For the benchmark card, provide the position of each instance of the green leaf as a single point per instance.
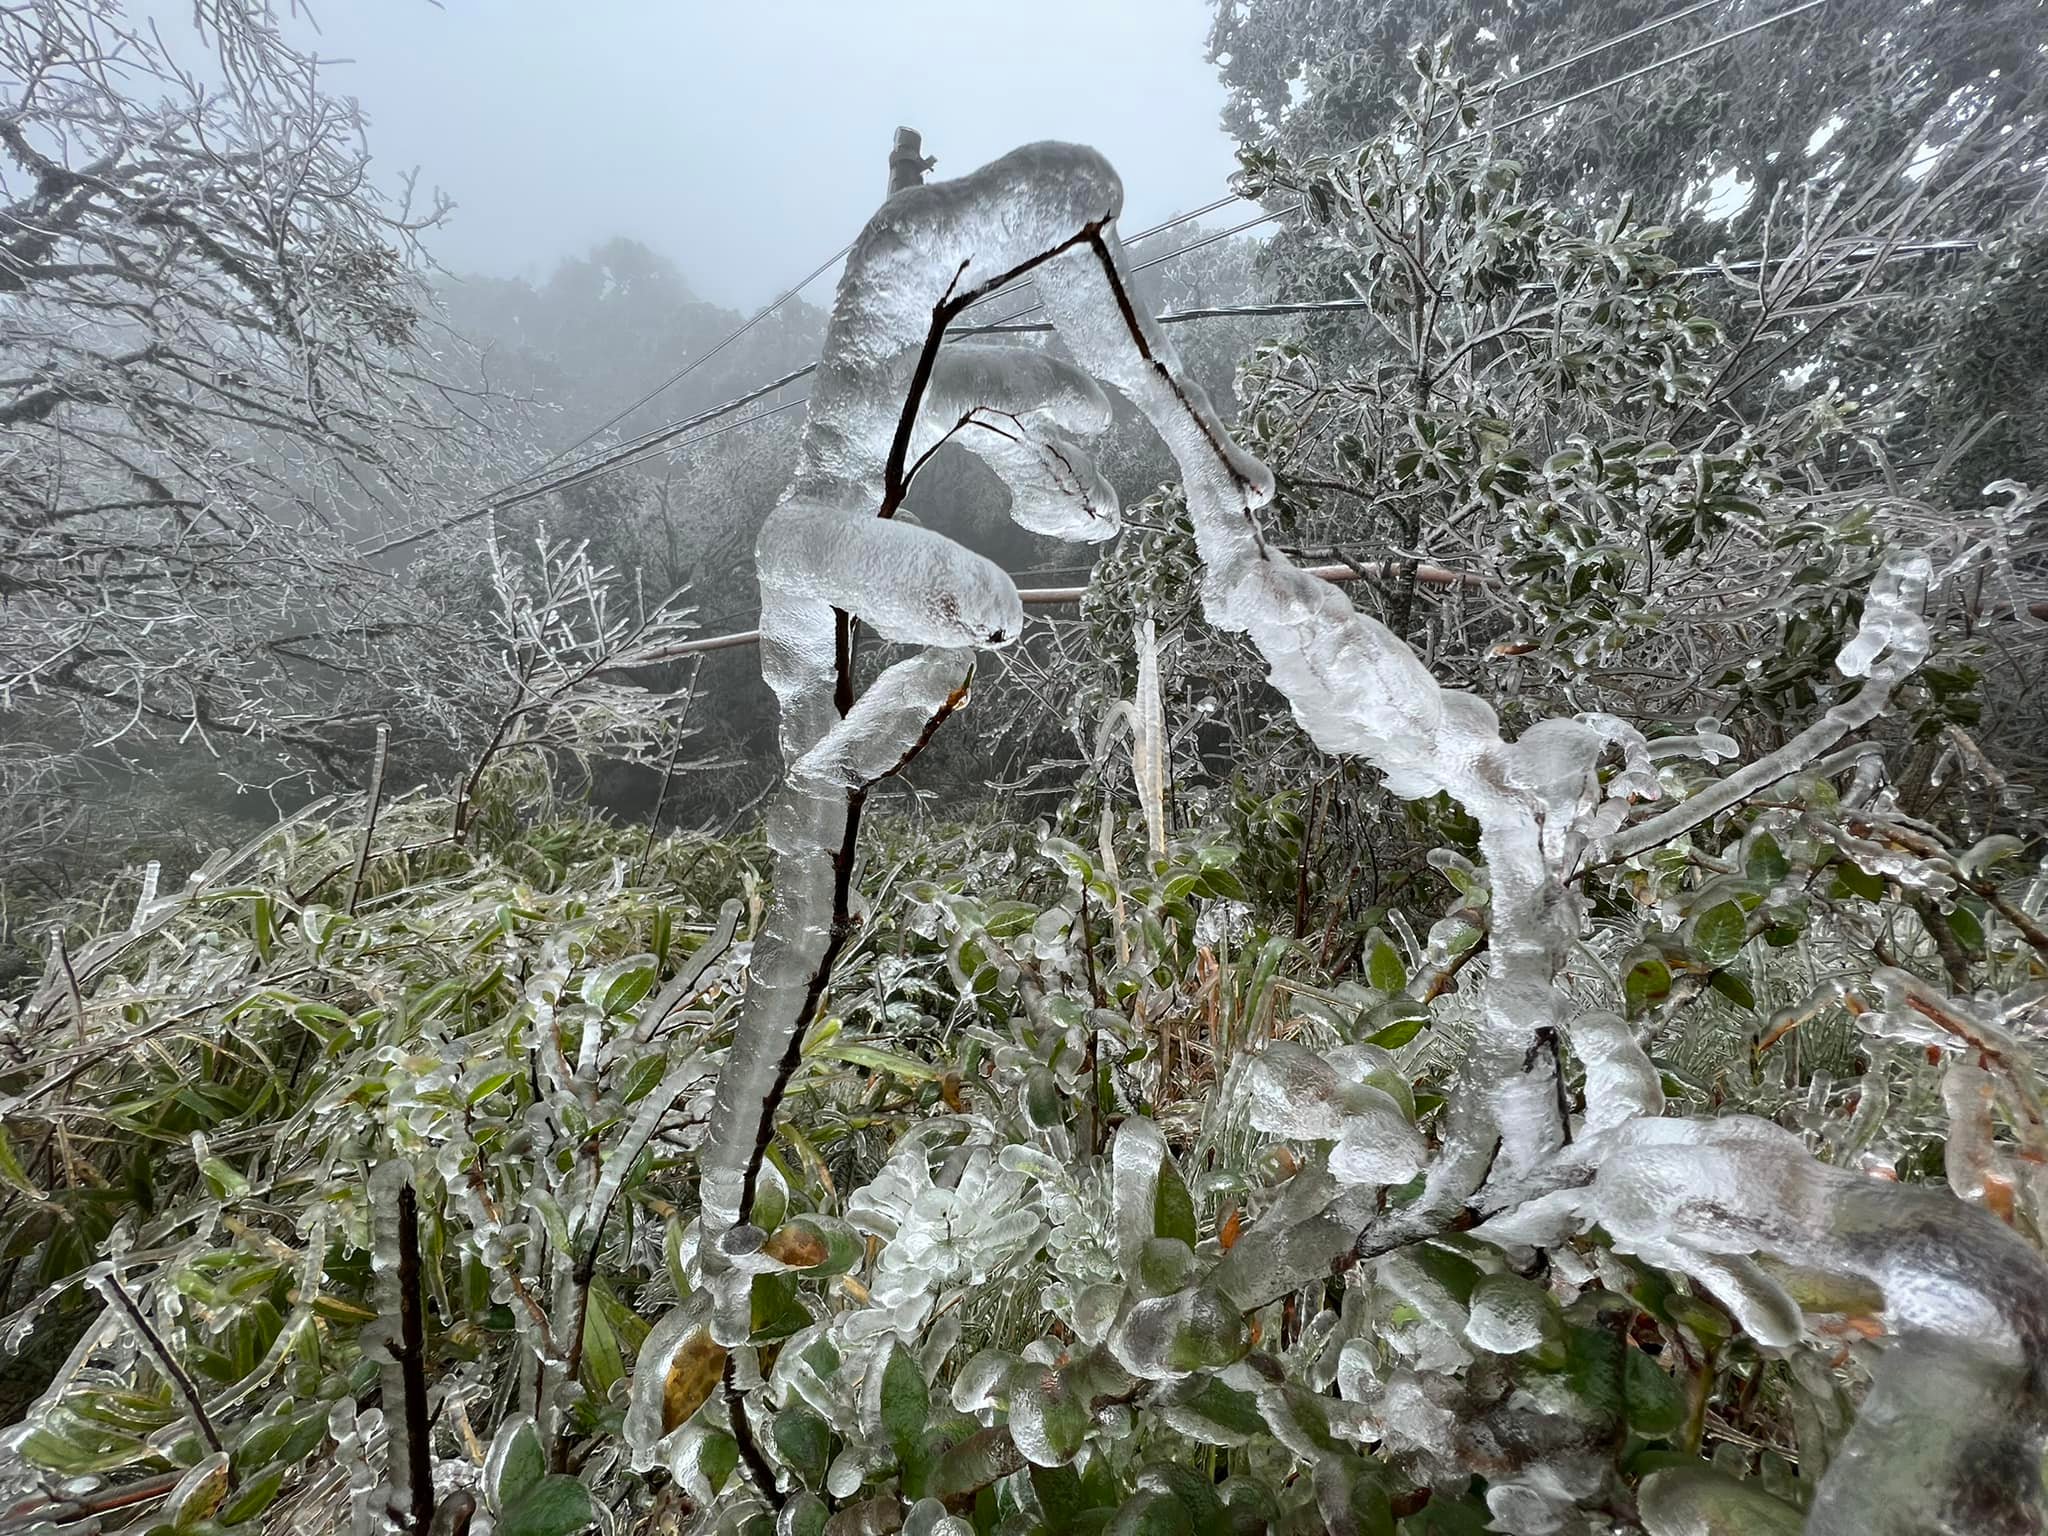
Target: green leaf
(198, 1493)
(555, 1506)
(1655, 1402)
(804, 1440)
(778, 1310)
(612, 1334)
(254, 1496)
(12, 1173)
(1703, 1499)
(904, 1404)
(1396, 1022)
(1966, 922)
(1396, 1034)
(1212, 1412)
(516, 1463)
(618, 987)
(1720, 932)
(1151, 1513)
(1854, 880)
(1384, 967)
(1734, 986)
(1766, 861)
(1060, 1496)
(1007, 919)
(1173, 1209)
(717, 1459)
(224, 1181)
(876, 1059)
(1647, 982)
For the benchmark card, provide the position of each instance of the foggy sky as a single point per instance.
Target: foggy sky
(748, 139)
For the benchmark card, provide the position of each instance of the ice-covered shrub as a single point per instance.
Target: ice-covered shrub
(1048, 1181)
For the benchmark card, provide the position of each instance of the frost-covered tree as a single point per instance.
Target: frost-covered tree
(220, 370)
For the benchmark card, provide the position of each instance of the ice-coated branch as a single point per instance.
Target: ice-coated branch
(833, 556)
(1356, 688)
(1888, 646)
(401, 1299)
(1966, 1299)
(1951, 1434)
(1739, 1206)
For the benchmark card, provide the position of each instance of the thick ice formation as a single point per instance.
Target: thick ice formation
(886, 395)
(1508, 1315)
(1297, 1092)
(1740, 1206)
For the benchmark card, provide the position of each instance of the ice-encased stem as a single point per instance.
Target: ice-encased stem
(401, 1300)
(1358, 689)
(1950, 1436)
(831, 555)
(1891, 613)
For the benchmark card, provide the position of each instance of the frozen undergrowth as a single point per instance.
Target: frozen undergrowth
(1729, 1204)
(1048, 1186)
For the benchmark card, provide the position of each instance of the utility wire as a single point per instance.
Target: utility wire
(1014, 324)
(1577, 96)
(1655, 64)
(687, 369)
(523, 490)
(650, 443)
(1516, 82)
(1502, 88)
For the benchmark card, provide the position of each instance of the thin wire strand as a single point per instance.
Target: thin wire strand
(522, 491)
(1516, 82)
(687, 369)
(1253, 311)
(1014, 324)
(1655, 64)
(1555, 106)
(1501, 88)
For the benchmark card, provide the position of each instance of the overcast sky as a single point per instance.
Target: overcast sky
(748, 139)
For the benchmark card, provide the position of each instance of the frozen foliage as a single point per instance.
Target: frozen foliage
(939, 1236)
(1541, 809)
(1508, 1315)
(1296, 1092)
(1100, 1196)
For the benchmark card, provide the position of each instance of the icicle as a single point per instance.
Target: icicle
(1148, 740)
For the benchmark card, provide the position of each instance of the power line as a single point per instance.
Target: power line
(1427, 575)
(523, 490)
(1502, 88)
(688, 368)
(648, 443)
(1656, 25)
(1866, 251)
(1593, 90)
(520, 492)
(1655, 64)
